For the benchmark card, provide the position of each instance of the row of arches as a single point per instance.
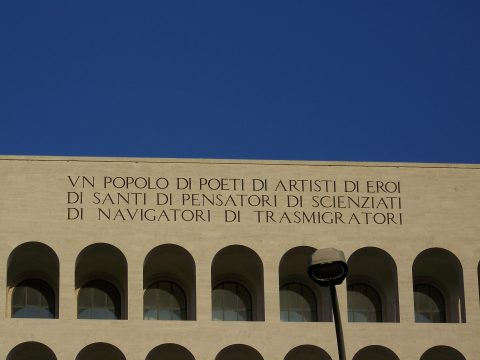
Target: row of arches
(169, 283)
(104, 351)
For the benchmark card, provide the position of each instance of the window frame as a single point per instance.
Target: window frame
(52, 308)
(118, 312)
(443, 298)
(314, 311)
(251, 314)
(183, 292)
(379, 311)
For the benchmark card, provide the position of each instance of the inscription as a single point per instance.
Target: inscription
(165, 199)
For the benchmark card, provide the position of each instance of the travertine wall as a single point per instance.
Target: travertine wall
(415, 207)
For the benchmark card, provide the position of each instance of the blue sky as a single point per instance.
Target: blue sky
(310, 80)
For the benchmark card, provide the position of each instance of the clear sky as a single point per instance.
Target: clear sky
(314, 80)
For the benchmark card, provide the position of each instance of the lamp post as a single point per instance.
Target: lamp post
(328, 268)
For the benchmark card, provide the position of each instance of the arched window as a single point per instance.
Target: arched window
(231, 302)
(307, 352)
(429, 304)
(33, 298)
(239, 352)
(31, 350)
(441, 268)
(374, 266)
(100, 351)
(101, 280)
(170, 352)
(164, 300)
(33, 281)
(297, 303)
(301, 299)
(375, 352)
(98, 299)
(364, 304)
(442, 352)
(166, 267)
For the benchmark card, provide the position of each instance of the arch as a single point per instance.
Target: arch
(30, 263)
(239, 352)
(174, 264)
(169, 352)
(105, 263)
(375, 352)
(100, 351)
(31, 350)
(442, 270)
(375, 268)
(307, 352)
(442, 352)
(242, 265)
(293, 269)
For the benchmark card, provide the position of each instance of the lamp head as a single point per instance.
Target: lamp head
(328, 267)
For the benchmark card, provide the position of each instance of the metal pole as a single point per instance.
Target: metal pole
(338, 323)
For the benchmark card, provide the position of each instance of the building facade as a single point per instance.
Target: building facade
(166, 259)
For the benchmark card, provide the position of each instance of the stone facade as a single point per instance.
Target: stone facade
(201, 223)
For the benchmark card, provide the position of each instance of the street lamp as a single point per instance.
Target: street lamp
(328, 268)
